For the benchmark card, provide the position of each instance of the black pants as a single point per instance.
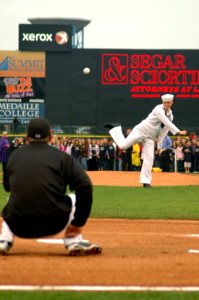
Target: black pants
(165, 161)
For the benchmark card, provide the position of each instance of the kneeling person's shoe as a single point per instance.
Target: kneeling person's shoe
(5, 246)
(82, 248)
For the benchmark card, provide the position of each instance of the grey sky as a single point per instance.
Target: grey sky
(149, 24)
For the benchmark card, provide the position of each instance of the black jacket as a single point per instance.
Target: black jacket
(37, 176)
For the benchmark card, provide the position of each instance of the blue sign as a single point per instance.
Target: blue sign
(24, 112)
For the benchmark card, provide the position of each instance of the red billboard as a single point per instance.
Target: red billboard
(151, 74)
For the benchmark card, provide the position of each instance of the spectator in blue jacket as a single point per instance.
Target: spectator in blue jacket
(165, 154)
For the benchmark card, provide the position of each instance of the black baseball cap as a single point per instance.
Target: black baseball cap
(38, 128)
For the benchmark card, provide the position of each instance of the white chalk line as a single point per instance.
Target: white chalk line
(60, 241)
(51, 241)
(192, 235)
(193, 251)
(99, 288)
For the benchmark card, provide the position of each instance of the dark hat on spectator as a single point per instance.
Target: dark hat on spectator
(38, 128)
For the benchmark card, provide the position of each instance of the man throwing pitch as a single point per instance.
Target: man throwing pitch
(156, 125)
(37, 176)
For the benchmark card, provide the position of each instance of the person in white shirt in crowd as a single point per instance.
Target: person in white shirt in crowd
(93, 155)
(180, 157)
(156, 125)
(69, 146)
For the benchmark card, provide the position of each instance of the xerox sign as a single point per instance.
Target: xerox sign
(45, 37)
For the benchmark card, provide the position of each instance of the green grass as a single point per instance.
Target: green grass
(98, 296)
(3, 197)
(181, 202)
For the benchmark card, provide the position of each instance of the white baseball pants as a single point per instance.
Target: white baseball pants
(7, 234)
(147, 151)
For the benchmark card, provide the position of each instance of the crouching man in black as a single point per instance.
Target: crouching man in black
(37, 176)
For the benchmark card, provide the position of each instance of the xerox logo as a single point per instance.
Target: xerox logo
(41, 37)
(45, 38)
(61, 37)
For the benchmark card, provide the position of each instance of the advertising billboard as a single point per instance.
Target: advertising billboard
(153, 73)
(45, 37)
(16, 63)
(24, 112)
(22, 86)
(21, 98)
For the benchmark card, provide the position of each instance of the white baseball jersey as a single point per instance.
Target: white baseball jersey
(157, 124)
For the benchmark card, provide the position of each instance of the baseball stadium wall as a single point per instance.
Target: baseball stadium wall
(122, 85)
(89, 87)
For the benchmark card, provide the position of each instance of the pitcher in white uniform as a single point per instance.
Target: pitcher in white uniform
(156, 125)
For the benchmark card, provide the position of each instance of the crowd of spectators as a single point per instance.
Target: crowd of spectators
(177, 154)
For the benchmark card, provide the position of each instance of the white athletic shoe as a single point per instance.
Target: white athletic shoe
(5, 246)
(82, 248)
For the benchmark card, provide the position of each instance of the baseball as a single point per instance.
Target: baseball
(86, 71)
(61, 37)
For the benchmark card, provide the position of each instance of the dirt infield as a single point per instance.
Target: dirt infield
(132, 178)
(135, 252)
